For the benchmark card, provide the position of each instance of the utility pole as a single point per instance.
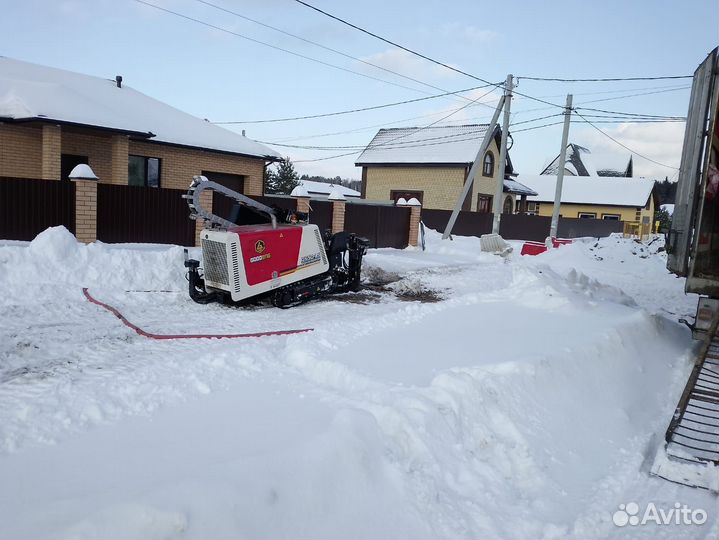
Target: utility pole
(497, 207)
(478, 160)
(560, 170)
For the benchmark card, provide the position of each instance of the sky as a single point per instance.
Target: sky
(210, 71)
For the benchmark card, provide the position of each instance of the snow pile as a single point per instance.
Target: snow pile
(525, 403)
(55, 259)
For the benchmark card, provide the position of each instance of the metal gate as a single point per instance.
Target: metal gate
(29, 206)
(143, 214)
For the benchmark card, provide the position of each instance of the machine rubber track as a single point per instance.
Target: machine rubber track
(691, 453)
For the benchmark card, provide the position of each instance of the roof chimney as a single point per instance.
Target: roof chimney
(118, 80)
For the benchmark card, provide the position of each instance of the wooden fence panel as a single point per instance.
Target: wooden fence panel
(143, 214)
(29, 206)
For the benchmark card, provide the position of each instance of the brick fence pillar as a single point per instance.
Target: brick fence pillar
(338, 216)
(51, 149)
(86, 210)
(118, 159)
(206, 202)
(414, 215)
(303, 204)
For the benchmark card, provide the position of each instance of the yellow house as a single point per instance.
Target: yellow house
(431, 165)
(594, 197)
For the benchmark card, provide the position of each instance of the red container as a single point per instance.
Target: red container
(533, 248)
(556, 242)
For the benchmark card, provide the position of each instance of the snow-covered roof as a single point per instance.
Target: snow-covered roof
(320, 188)
(34, 92)
(599, 190)
(512, 186)
(437, 144)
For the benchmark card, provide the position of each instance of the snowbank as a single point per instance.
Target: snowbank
(525, 403)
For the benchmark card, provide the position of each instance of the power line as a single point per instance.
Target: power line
(640, 94)
(406, 134)
(618, 113)
(265, 25)
(606, 79)
(275, 47)
(456, 137)
(349, 111)
(624, 145)
(420, 55)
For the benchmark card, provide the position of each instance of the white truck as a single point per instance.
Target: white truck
(690, 454)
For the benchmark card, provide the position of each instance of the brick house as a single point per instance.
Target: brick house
(431, 164)
(51, 120)
(631, 200)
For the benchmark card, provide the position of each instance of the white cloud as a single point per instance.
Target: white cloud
(661, 142)
(409, 65)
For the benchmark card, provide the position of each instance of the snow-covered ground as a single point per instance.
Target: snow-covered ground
(474, 397)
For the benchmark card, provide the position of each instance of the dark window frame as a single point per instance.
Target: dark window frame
(586, 215)
(612, 217)
(488, 164)
(484, 204)
(146, 170)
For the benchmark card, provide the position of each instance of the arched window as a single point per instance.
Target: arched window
(507, 207)
(488, 164)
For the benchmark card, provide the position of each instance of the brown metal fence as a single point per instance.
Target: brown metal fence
(321, 213)
(524, 227)
(143, 214)
(577, 227)
(467, 224)
(383, 226)
(519, 226)
(29, 206)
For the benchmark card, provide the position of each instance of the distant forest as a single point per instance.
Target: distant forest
(666, 191)
(346, 182)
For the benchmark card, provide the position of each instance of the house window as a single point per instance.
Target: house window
(612, 217)
(532, 208)
(143, 171)
(488, 164)
(396, 195)
(484, 203)
(587, 215)
(68, 163)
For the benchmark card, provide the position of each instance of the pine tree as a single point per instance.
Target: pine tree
(283, 180)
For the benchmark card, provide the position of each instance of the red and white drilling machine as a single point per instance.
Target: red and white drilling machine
(267, 253)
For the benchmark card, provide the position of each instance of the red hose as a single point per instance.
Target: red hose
(143, 333)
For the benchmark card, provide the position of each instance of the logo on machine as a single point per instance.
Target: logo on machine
(309, 259)
(258, 258)
(260, 246)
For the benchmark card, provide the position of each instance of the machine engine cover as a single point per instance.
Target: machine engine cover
(250, 260)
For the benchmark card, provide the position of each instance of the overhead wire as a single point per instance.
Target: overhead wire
(624, 145)
(349, 111)
(418, 54)
(605, 79)
(325, 47)
(275, 47)
(406, 134)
